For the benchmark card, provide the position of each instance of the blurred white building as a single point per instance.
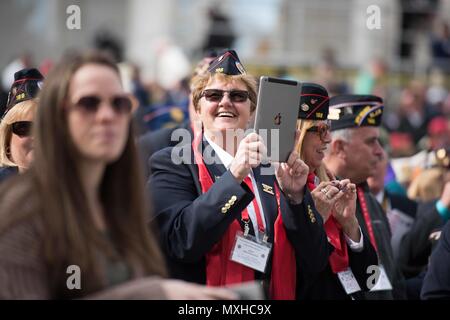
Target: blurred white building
(273, 32)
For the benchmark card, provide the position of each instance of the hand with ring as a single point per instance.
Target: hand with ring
(345, 209)
(325, 196)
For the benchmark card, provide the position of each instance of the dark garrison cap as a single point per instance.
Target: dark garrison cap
(27, 84)
(228, 63)
(353, 110)
(314, 102)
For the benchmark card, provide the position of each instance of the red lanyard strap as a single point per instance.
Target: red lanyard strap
(365, 211)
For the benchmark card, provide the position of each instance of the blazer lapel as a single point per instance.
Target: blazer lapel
(266, 190)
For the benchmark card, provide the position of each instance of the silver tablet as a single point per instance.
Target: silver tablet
(276, 115)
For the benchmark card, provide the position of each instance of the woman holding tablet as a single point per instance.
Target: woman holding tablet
(222, 220)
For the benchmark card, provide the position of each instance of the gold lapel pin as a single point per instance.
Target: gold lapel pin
(268, 189)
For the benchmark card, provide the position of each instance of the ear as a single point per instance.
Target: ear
(338, 148)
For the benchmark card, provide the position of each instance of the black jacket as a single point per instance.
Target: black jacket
(415, 246)
(154, 141)
(437, 280)
(191, 222)
(328, 286)
(382, 234)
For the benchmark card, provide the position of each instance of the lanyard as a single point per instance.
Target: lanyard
(259, 218)
(365, 211)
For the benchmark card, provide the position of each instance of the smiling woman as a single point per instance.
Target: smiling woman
(213, 202)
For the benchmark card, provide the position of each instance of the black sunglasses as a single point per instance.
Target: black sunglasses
(216, 95)
(322, 129)
(22, 128)
(90, 104)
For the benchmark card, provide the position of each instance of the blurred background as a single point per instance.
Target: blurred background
(405, 59)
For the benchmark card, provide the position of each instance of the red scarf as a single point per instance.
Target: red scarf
(222, 271)
(339, 257)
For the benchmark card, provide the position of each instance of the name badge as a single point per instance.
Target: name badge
(383, 282)
(348, 281)
(251, 253)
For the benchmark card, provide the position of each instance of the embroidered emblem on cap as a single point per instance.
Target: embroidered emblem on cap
(305, 107)
(334, 114)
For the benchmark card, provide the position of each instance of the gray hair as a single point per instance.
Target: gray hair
(341, 134)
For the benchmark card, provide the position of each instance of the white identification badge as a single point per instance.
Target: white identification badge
(348, 281)
(250, 253)
(383, 282)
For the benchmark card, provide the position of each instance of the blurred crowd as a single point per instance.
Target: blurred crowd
(50, 152)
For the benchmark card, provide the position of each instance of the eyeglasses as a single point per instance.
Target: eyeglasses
(216, 95)
(322, 129)
(22, 128)
(121, 104)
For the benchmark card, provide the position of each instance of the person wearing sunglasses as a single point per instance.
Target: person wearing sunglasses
(224, 218)
(16, 142)
(351, 251)
(75, 224)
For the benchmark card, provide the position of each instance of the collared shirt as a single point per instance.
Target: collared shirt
(355, 246)
(226, 160)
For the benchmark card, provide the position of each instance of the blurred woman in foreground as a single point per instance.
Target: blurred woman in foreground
(74, 225)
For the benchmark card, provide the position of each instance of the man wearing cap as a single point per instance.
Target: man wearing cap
(351, 251)
(354, 154)
(222, 221)
(16, 144)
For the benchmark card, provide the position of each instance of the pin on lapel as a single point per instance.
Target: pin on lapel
(267, 188)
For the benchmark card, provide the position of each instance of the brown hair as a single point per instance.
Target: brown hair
(199, 82)
(70, 234)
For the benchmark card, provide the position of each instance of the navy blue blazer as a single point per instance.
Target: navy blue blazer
(436, 284)
(191, 223)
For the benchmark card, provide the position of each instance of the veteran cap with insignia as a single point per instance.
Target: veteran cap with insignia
(314, 102)
(203, 65)
(353, 110)
(228, 63)
(27, 84)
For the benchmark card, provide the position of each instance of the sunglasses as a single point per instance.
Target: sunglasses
(216, 95)
(22, 128)
(121, 104)
(321, 129)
